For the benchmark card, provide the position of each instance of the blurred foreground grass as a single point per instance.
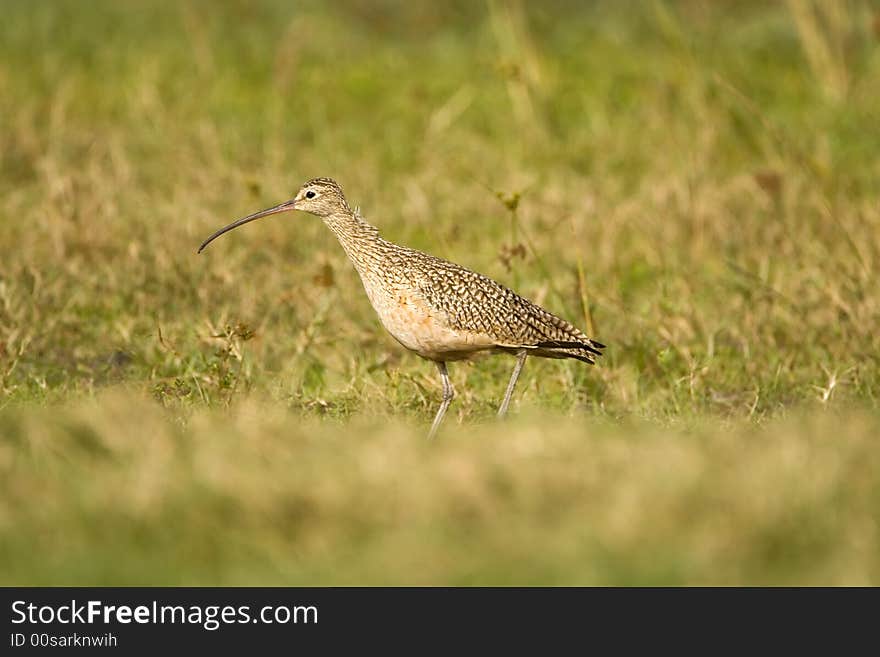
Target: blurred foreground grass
(257, 496)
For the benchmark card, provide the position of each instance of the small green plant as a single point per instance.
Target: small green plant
(214, 378)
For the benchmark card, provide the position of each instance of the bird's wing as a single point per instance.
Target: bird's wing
(473, 302)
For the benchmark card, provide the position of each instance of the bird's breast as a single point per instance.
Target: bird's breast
(420, 327)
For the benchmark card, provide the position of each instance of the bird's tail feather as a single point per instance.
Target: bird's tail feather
(583, 350)
(588, 345)
(546, 335)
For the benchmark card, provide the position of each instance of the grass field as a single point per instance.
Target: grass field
(696, 184)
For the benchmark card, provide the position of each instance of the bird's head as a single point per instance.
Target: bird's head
(319, 196)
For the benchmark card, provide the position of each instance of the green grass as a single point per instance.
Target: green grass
(697, 186)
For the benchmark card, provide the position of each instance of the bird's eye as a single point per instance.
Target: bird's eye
(310, 194)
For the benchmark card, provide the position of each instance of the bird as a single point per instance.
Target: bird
(440, 310)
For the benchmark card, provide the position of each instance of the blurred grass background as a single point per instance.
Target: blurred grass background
(694, 183)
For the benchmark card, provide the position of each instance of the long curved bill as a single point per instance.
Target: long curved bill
(284, 207)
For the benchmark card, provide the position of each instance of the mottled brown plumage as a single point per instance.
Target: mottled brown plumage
(434, 307)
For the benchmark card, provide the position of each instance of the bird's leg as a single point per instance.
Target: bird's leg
(520, 360)
(448, 395)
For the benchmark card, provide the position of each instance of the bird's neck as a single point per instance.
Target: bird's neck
(358, 237)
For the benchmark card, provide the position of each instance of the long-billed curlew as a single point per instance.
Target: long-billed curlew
(434, 307)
